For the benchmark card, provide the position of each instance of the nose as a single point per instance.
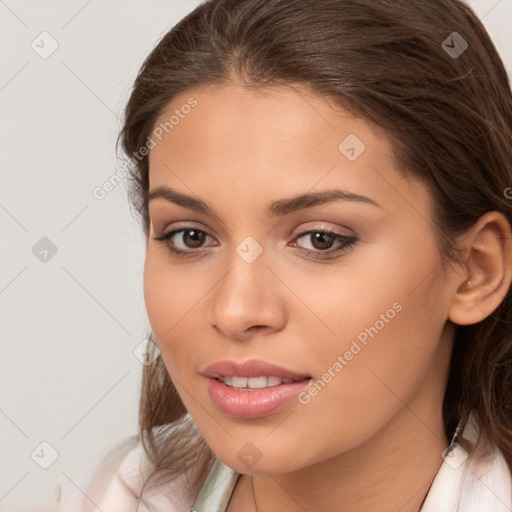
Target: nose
(247, 301)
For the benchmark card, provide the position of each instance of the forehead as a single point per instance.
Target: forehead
(271, 126)
(275, 141)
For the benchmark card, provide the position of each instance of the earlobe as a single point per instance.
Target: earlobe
(487, 270)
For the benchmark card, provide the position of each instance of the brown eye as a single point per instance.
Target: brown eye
(193, 238)
(321, 240)
(185, 245)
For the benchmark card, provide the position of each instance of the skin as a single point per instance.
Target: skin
(372, 439)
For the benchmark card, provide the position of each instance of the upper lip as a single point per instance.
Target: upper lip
(250, 368)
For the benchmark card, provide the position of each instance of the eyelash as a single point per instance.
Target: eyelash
(346, 243)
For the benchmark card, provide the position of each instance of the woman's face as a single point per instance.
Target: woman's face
(362, 314)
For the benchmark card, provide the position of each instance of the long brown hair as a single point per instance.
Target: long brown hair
(393, 62)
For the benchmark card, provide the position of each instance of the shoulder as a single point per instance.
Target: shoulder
(114, 485)
(118, 484)
(474, 477)
(487, 480)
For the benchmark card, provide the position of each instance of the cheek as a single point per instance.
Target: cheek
(348, 296)
(171, 295)
(370, 373)
(388, 310)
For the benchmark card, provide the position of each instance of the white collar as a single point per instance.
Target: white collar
(474, 477)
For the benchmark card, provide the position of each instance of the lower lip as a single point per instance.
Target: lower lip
(253, 403)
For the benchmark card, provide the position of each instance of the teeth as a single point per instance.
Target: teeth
(257, 382)
(239, 382)
(254, 382)
(273, 381)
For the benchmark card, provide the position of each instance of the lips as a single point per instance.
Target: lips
(252, 389)
(250, 369)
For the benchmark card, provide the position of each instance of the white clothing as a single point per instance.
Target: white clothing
(478, 481)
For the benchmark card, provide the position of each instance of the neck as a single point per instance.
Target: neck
(392, 471)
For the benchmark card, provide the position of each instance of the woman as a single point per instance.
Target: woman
(325, 191)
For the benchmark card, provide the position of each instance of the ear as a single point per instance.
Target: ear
(487, 271)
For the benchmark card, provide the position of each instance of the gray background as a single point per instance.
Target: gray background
(72, 320)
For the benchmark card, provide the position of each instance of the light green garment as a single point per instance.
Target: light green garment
(216, 490)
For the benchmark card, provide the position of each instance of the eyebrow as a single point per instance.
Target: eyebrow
(280, 207)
